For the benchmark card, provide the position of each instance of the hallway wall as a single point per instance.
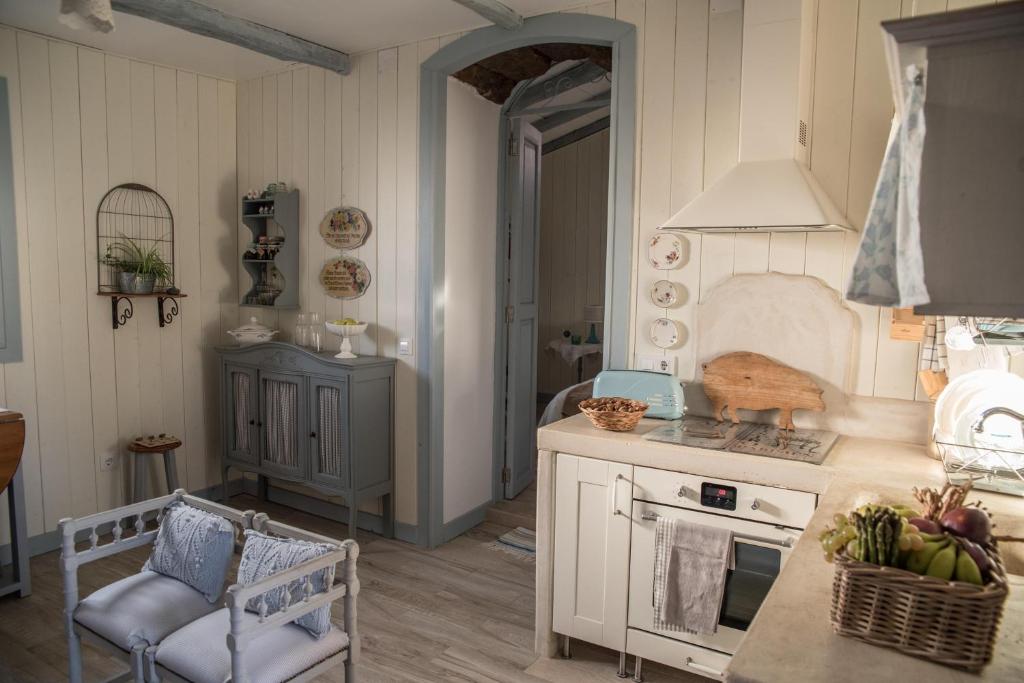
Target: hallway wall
(573, 237)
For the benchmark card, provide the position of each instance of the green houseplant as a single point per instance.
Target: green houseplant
(138, 267)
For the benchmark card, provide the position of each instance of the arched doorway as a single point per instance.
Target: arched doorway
(434, 73)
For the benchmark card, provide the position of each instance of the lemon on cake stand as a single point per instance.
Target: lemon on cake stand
(346, 329)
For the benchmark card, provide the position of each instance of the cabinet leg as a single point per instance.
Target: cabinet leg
(389, 516)
(622, 666)
(353, 515)
(224, 485)
(261, 488)
(566, 647)
(638, 675)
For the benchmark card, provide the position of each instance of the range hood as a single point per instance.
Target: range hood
(777, 195)
(770, 189)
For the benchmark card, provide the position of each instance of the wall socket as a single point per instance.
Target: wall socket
(107, 464)
(663, 364)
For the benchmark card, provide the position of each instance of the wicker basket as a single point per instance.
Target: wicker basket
(946, 622)
(612, 413)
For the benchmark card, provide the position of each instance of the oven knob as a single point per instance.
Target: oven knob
(755, 505)
(682, 492)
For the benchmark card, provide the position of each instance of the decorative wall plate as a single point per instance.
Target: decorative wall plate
(665, 294)
(665, 251)
(345, 277)
(666, 333)
(345, 227)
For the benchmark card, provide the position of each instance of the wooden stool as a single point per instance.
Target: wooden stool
(148, 445)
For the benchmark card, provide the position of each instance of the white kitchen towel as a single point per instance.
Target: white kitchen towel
(690, 566)
(889, 267)
(933, 347)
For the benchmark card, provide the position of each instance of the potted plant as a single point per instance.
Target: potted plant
(138, 267)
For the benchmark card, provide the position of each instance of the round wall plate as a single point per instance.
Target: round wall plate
(345, 227)
(345, 277)
(665, 251)
(666, 333)
(665, 294)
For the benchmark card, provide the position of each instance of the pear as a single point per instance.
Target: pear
(943, 564)
(967, 569)
(920, 559)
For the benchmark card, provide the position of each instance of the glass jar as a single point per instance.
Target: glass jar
(302, 330)
(316, 331)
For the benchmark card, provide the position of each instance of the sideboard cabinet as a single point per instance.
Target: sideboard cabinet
(312, 419)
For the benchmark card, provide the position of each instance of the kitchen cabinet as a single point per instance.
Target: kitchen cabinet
(311, 419)
(971, 164)
(593, 501)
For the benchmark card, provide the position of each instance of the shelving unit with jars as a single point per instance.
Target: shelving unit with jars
(272, 258)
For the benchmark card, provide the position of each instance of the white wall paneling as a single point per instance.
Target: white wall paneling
(83, 121)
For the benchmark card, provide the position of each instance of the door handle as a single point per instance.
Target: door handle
(700, 667)
(649, 516)
(615, 495)
(312, 435)
(252, 422)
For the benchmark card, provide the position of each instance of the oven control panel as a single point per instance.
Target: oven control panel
(717, 495)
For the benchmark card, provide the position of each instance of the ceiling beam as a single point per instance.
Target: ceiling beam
(585, 106)
(193, 17)
(581, 74)
(563, 117)
(495, 12)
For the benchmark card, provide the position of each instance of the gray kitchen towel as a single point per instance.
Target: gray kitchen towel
(690, 566)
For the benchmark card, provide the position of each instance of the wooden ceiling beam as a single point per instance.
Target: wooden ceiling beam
(495, 12)
(197, 18)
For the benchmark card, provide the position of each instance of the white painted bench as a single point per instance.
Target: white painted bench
(159, 638)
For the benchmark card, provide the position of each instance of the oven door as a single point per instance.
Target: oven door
(759, 552)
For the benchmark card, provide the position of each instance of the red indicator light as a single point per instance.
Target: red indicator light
(722, 492)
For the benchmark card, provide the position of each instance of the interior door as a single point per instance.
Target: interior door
(523, 202)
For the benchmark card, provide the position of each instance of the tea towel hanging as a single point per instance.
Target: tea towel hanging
(889, 267)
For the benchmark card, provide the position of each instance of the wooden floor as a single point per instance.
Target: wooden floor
(460, 612)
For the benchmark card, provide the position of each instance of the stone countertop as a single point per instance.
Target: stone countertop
(791, 638)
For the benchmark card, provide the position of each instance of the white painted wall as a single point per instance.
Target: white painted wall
(82, 122)
(471, 207)
(573, 237)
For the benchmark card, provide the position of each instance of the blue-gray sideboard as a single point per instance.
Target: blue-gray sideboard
(323, 422)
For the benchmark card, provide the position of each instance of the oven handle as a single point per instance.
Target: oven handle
(785, 543)
(700, 667)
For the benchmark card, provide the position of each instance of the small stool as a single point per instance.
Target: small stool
(147, 445)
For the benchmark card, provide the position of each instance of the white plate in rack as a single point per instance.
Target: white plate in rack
(665, 294)
(665, 251)
(666, 333)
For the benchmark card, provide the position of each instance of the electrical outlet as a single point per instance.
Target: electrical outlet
(405, 346)
(107, 464)
(662, 364)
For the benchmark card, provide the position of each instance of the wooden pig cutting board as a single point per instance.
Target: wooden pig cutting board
(755, 382)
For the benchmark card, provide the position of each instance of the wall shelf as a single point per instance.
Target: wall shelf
(120, 315)
(276, 286)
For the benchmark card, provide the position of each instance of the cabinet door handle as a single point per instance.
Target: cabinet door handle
(312, 435)
(703, 668)
(252, 422)
(615, 494)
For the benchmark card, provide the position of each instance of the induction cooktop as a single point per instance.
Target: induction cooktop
(802, 445)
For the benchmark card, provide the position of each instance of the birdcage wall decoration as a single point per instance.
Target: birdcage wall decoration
(135, 250)
(134, 236)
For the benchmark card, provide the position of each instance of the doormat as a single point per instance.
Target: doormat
(521, 542)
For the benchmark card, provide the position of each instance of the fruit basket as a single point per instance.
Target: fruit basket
(946, 622)
(614, 413)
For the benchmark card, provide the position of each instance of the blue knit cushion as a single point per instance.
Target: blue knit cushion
(195, 547)
(265, 555)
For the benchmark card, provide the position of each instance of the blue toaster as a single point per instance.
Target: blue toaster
(663, 393)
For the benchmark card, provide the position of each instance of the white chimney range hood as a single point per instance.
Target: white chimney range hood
(768, 190)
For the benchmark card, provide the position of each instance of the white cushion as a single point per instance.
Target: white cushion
(199, 652)
(142, 608)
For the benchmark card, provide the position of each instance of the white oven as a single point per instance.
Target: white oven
(766, 523)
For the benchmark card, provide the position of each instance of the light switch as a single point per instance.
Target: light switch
(405, 346)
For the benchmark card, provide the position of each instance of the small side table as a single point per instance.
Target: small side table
(143, 447)
(574, 353)
(12, 442)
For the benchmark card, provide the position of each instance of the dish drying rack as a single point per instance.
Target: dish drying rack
(988, 467)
